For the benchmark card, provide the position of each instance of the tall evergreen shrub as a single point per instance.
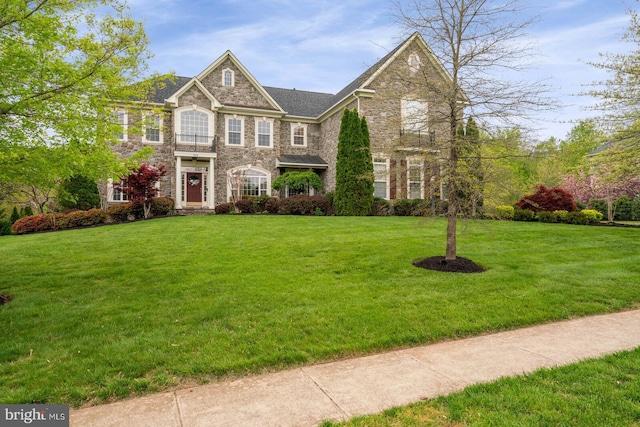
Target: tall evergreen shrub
(354, 168)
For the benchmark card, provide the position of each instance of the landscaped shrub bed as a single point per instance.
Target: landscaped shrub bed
(77, 218)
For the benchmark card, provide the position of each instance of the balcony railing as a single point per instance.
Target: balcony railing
(195, 143)
(417, 138)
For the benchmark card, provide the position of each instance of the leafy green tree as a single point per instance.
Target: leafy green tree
(579, 142)
(298, 182)
(79, 192)
(354, 168)
(63, 67)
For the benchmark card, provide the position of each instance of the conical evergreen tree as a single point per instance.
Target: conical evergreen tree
(354, 168)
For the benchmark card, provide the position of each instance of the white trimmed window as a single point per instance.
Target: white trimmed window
(194, 125)
(299, 135)
(381, 178)
(115, 191)
(415, 115)
(152, 129)
(415, 179)
(235, 131)
(122, 120)
(248, 182)
(264, 133)
(228, 77)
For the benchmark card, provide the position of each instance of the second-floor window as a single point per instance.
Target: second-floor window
(263, 133)
(415, 116)
(121, 119)
(234, 131)
(152, 131)
(299, 136)
(194, 126)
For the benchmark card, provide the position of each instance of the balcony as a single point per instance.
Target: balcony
(417, 139)
(194, 143)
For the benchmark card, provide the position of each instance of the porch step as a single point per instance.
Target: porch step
(194, 211)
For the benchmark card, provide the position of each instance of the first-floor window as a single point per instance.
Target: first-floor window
(119, 194)
(415, 179)
(380, 178)
(249, 183)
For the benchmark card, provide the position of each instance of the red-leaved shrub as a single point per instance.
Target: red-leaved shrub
(548, 199)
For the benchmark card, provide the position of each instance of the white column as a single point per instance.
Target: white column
(178, 183)
(212, 186)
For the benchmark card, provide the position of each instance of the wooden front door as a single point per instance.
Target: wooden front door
(194, 188)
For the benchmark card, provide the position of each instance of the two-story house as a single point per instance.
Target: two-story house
(223, 132)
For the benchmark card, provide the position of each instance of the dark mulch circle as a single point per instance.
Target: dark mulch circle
(5, 298)
(458, 265)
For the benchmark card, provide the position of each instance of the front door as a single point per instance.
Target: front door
(194, 189)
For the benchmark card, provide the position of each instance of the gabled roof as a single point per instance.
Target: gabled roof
(230, 56)
(300, 103)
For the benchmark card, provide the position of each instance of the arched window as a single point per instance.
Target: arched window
(228, 78)
(299, 135)
(194, 125)
(248, 182)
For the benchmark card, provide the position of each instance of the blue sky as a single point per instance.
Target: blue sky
(322, 45)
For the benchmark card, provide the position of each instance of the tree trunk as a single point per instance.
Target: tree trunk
(452, 211)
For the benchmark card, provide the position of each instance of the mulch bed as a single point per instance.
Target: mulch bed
(458, 265)
(5, 298)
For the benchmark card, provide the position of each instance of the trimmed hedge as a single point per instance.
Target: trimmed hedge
(505, 212)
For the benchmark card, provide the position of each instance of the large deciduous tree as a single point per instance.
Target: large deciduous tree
(479, 42)
(63, 66)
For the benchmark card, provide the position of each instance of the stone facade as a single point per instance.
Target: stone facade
(377, 94)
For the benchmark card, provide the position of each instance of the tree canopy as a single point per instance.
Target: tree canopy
(64, 65)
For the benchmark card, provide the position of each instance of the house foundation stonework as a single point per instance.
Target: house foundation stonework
(221, 133)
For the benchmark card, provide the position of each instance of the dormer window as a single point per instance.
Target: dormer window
(228, 78)
(414, 62)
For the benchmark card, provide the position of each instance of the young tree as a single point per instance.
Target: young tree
(63, 67)
(478, 42)
(141, 185)
(354, 168)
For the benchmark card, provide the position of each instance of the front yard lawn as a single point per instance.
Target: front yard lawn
(110, 312)
(598, 392)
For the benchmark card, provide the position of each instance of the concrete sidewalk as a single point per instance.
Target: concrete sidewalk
(343, 389)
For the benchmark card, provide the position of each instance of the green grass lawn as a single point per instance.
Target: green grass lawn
(109, 312)
(601, 392)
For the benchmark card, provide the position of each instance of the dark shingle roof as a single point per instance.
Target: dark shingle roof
(296, 102)
(302, 161)
(168, 88)
(301, 102)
